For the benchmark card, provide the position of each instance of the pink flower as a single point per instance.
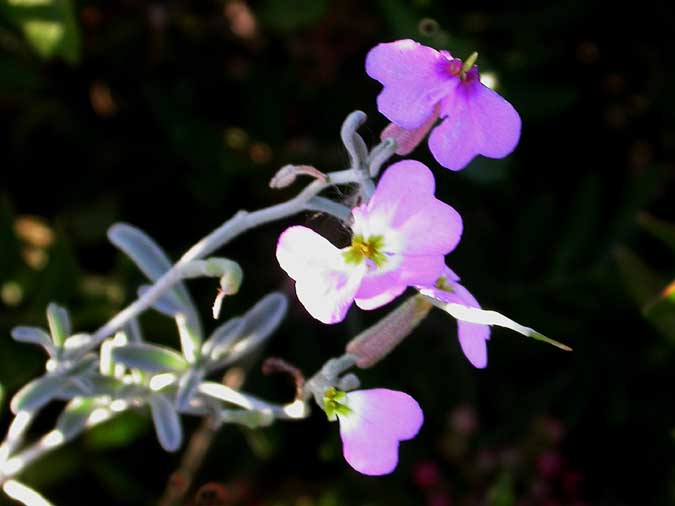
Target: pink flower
(372, 423)
(421, 85)
(400, 238)
(472, 336)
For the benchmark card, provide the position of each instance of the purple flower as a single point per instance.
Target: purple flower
(472, 336)
(399, 239)
(372, 423)
(422, 84)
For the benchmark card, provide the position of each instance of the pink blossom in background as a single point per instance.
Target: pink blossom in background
(400, 238)
(472, 336)
(421, 85)
(372, 423)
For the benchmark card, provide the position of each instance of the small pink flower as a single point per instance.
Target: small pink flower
(472, 336)
(421, 85)
(372, 423)
(400, 238)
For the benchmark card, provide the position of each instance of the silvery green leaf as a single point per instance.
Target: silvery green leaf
(108, 385)
(73, 389)
(169, 304)
(190, 339)
(34, 335)
(251, 419)
(37, 393)
(153, 262)
(146, 254)
(59, 324)
(76, 344)
(24, 494)
(187, 387)
(149, 357)
(223, 338)
(84, 366)
(84, 386)
(260, 321)
(167, 423)
(141, 248)
(73, 418)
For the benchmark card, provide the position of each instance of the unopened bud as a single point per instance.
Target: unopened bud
(376, 342)
(229, 272)
(287, 175)
(408, 140)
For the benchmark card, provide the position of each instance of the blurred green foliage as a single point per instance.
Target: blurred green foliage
(173, 115)
(49, 26)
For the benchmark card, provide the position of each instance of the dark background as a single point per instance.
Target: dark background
(173, 115)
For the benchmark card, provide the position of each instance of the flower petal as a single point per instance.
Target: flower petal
(473, 337)
(404, 202)
(478, 121)
(380, 418)
(379, 295)
(380, 288)
(413, 79)
(325, 284)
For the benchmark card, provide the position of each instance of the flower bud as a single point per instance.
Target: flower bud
(375, 343)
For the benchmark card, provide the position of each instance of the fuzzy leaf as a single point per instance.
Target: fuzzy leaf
(259, 322)
(223, 338)
(190, 339)
(59, 324)
(169, 304)
(187, 387)
(151, 260)
(38, 393)
(33, 335)
(74, 417)
(149, 357)
(167, 423)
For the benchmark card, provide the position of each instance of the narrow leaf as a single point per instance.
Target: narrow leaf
(24, 494)
(190, 339)
(149, 357)
(223, 338)
(151, 260)
(187, 387)
(33, 335)
(59, 324)
(169, 304)
(167, 423)
(84, 367)
(108, 385)
(38, 393)
(259, 322)
(73, 418)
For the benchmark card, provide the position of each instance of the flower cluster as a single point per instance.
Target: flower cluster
(401, 233)
(399, 239)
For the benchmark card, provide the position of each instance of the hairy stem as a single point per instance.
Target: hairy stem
(238, 224)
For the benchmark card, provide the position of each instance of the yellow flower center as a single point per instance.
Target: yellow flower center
(362, 249)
